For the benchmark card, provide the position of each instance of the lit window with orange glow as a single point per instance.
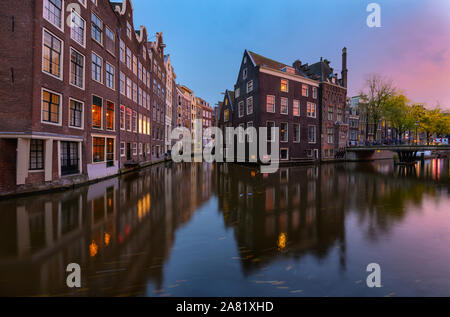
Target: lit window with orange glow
(284, 85)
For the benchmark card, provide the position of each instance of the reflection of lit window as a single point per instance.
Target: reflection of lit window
(107, 238)
(282, 241)
(93, 249)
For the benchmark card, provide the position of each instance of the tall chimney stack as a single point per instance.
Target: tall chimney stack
(344, 72)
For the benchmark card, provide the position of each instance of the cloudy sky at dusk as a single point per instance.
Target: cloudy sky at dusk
(206, 39)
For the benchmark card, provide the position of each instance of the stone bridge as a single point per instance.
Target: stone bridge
(406, 153)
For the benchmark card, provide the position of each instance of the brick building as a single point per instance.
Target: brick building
(294, 98)
(83, 99)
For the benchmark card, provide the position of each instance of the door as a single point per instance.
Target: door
(128, 151)
(69, 158)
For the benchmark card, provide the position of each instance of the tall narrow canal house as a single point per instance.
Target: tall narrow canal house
(306, 102)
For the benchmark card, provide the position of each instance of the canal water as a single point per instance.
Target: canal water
(228, 230)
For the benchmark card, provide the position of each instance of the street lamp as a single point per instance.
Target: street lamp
(416, 124)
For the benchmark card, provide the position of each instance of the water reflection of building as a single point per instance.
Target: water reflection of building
(287, 213)
(120, 231)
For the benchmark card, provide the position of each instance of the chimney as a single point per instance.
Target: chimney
(344, 67)
(297, 65)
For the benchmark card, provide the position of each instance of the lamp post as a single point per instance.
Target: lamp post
(416, 124)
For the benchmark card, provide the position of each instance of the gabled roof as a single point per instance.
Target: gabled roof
(260, 60)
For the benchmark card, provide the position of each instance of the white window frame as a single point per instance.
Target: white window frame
(299, 132)
(85, 27)
(84, 69)
(287, 105)
(248, 83)
(287, 132)
(61, 28)
(101, 68)
(247, 103)
(61, 65)
(241, 113)
(60, 107)
(274, 103)
(82, 114)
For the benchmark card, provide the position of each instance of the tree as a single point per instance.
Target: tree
(442, 124)
(427, 122)
(377, 92)
(397, 111)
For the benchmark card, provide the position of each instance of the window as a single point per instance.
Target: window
(110, 40)
(129, 30)
(97, 103)
(312, 134)
(134, 148)
(226, 116)
(305, 92)
(244, 73)
(51, 57)
(53, 12)
(241, 108)
(339, 115)
(270, 125)
(36, 154)
(97, 29)
(110, 73)
(50, 106)
(296, 132)
(296, 108)
(128, 58)
(76, 69)
(135, 65)
(139, 96)
(249, 105)
(77, 28)
(284, 85)
(250, 136)
(134, 92)
(284, 154)
(128, 119)
(237, 93)
(330, 113)
(122, 117)
(270, 104)
(284, 106)
(122, 83)
(75, 114)
(109, 152)
(140, 70)
(109, 115)
(98, 149)
(250, 86)
(330, 134)
(122, 149)
(96, 67)
(283, 132)
(314, 89)
(134, 121)
(122, 51)
(311, 110)
(128, 88)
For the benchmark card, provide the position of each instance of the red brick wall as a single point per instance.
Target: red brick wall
(8, 158)
(16, 82)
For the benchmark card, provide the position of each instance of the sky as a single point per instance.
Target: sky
(207, 38)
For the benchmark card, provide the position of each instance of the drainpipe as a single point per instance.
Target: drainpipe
(119, 99)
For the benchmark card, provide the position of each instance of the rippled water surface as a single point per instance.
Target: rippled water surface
(227, 230)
